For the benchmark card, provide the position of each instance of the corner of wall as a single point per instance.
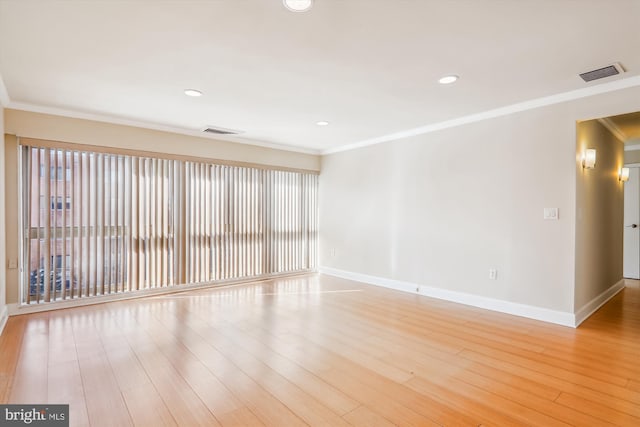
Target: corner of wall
(4, 316)
(592, 306)
(3, 275)
(10, 218)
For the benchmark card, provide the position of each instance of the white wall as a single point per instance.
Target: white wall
(632, 157)
(3, 305)
(441, 209)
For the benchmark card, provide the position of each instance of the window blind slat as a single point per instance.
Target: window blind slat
(127, 225)
(26, 154)
(63, 226)
(46, 279)
(39, 279)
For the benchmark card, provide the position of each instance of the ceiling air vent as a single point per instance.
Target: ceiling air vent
(601, 73)
(220, 131)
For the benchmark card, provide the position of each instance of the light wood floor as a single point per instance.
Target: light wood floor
(316, 350)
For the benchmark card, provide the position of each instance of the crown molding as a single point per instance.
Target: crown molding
(104, 118)
(613, 128)
(497, 112)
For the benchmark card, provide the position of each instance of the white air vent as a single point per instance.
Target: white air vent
(220, 131)
(601, 73)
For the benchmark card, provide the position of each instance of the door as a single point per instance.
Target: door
(631, 245)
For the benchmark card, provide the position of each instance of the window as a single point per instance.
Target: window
(56, 173)
(125, 223)
(59, 175)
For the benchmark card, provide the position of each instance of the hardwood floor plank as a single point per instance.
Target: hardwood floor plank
(529, 400)
(634, 385)
(330, 397)
(181, 400)
(183, 346)
(140, 399)
(209, 390)
(387, 396)
(612, 395)
(412, 408)
(65, 386)
(104, 402)
(10, 344)
(364, 417)
(597, 410)
(242, 417)
(31, 372)
(307, 408)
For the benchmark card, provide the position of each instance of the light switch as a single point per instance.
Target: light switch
(550, 213)
(13, 263)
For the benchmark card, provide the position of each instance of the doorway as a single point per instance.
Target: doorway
(631, 233)
(626, 127)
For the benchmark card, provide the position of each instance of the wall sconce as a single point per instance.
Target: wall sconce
(624, 175)
(589, 159)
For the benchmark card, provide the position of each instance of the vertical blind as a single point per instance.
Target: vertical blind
(98, 224)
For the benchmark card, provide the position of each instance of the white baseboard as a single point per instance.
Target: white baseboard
(523, 310)
(589, 308)
(4, 316)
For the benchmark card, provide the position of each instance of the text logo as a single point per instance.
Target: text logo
(34, 415)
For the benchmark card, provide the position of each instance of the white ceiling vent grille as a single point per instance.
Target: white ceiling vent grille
(220, 131)
(601, 73)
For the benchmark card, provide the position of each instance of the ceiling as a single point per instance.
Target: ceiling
(369, 67)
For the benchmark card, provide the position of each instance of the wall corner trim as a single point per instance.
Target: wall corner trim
(4, 95)
(522, 310)
(4, 316)
(592, 306)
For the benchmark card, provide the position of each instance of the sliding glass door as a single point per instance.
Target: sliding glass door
(99, 223)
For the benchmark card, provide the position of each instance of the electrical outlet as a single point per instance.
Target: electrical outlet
(333, 252)
(493, 274)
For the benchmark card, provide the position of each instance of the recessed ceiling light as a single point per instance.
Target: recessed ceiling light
(192, 92)
(298, 5)
(448, 79)
(322, 123)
